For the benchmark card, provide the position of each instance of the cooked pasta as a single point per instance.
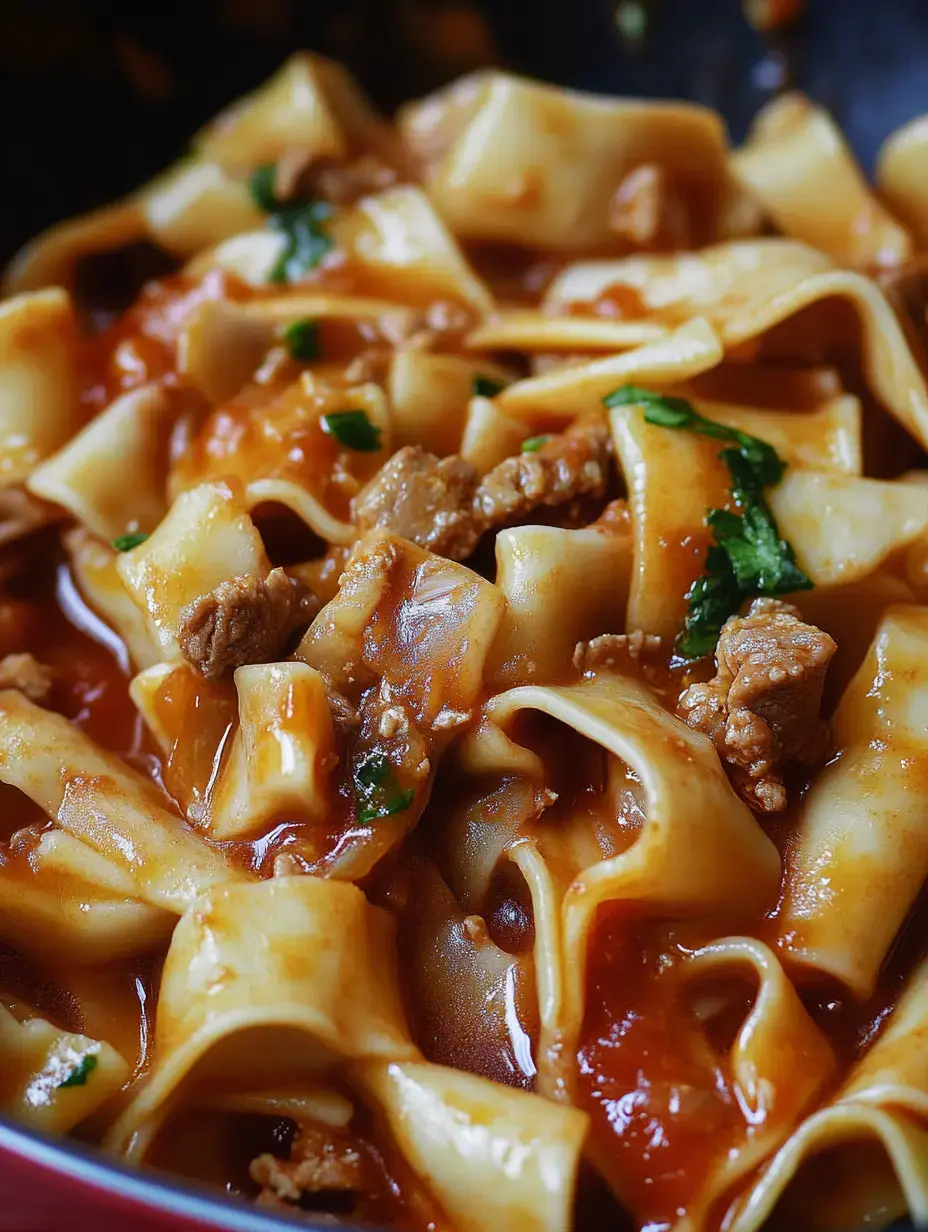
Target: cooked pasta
(463, 667)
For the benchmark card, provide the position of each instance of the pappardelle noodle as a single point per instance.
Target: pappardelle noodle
(464, 664)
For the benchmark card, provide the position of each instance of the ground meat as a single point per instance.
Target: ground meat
(388, 726)
(438, 503)
(322, 1160)
(612, 650)
(762, 708)
(343, 183)
(425, 499)
(23, 672)
(244, 620)
(575, 463)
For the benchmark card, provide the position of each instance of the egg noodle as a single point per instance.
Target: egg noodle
(463, 668)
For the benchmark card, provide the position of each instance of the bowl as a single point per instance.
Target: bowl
(51, 1185)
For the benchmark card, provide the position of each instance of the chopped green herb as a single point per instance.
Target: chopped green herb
(711, 600)
(300, 222)
(302, 339)
(748, 557)
(262, 186)
(762, 562)
(678, 413)
(81, 1072)
(353, 429)
(533, 443)
(125, 543)
(306, 241)
(376, 790)
(486, 387)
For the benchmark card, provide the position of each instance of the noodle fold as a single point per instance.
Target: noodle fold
(513, 160)
(746, 288)
(698, 849)
(902, 175)
(871, 1136)
(96, 798)
(860, 839)
(38, 1064)
(799, 166)
(38, 380)
(322, 1001)
(83, 477)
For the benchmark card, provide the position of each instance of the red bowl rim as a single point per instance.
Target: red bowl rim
(89, 1168)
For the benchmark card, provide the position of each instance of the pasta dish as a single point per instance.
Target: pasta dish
(464, 665)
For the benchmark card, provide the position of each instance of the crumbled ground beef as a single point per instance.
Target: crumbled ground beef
(322, 1161)
(761, 710)
(425, 499)
(439, 504)
(244, 620)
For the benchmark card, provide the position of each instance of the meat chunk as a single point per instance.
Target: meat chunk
(615, 650)
(343, 183)
(389, 727)
(575, 463)
(762, 708)
(425, 499)
(244, 620)
(438, 503)
(23, 672)
(321, 1161)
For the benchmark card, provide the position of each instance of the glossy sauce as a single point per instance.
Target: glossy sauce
(661, 1113)
(655, 1084)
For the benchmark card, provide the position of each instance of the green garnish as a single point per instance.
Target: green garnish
(353, 429)
(125, 543)
(376, 791)
(533, 443)
(712, 599)
(302, 339)
(748, 557)
(306, 243)
(299, 221)
(261, 185)
(486, 387)
(81, 1072)
(767, 465)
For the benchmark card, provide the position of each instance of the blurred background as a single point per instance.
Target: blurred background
(98, 95)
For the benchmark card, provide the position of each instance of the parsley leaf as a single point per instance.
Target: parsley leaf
(711, 600)
(533, 443)
(81, 1072)
(125, 543)
(678, 413)
(748, 557)
(376, 791)
(353, 429)
(300, 222)
(262, 186)
(306, 241)
(302, 339)
(486, 387)
(762, 562)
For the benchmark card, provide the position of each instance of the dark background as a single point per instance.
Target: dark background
(97, 95)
